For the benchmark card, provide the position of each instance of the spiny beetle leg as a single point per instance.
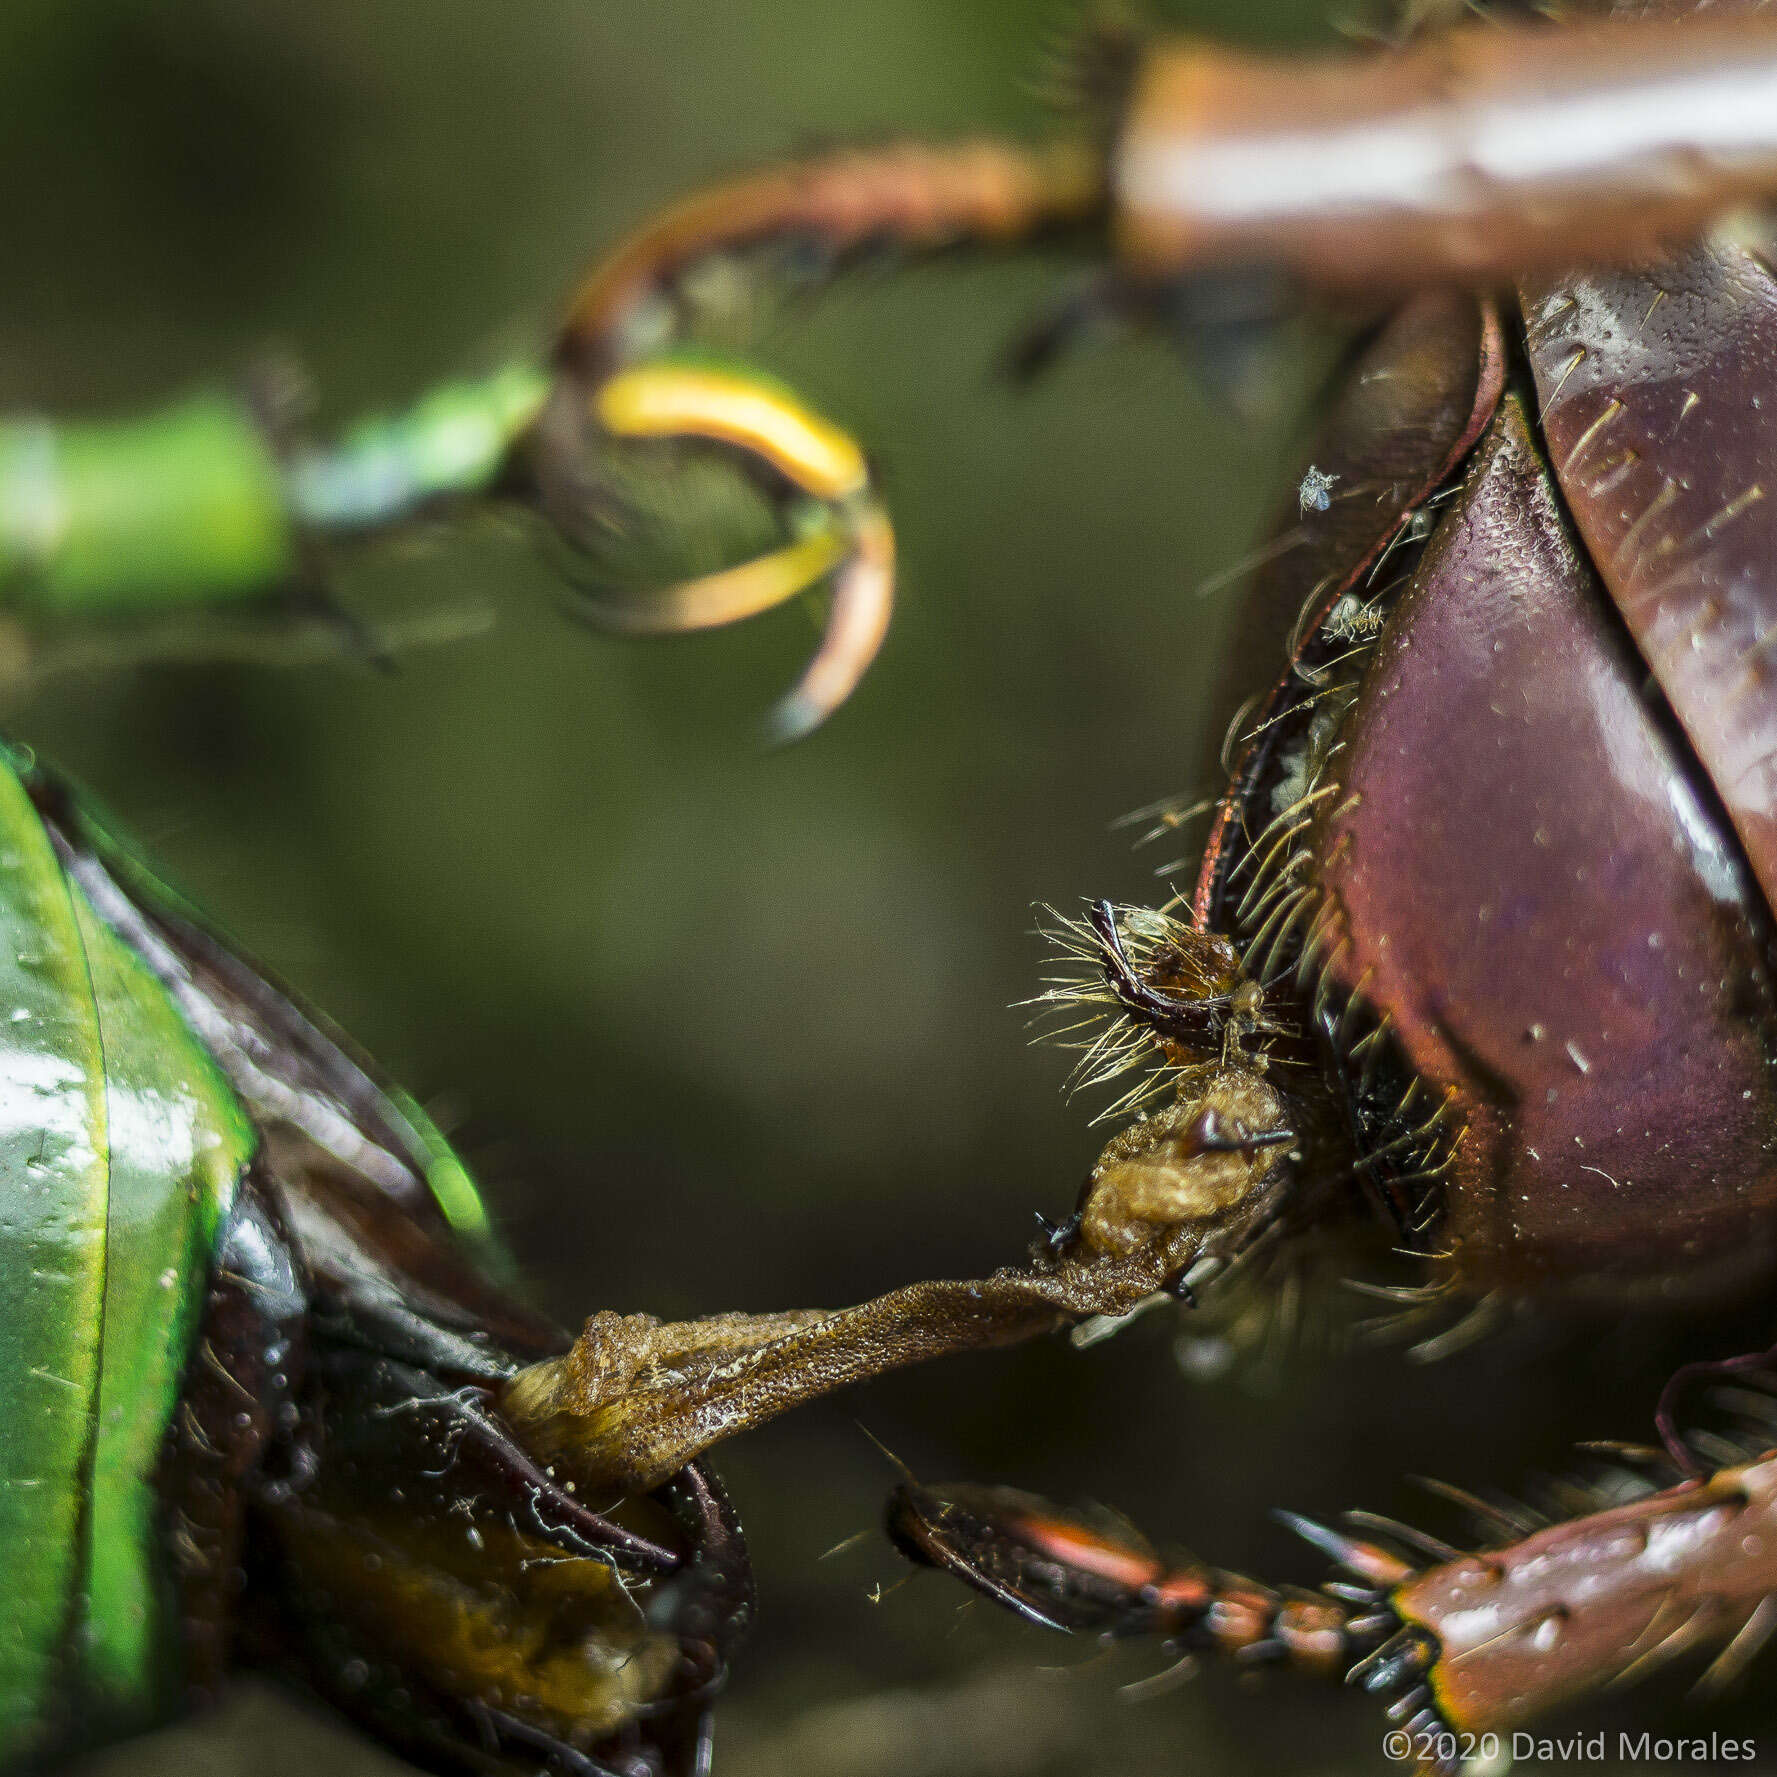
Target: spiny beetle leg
(1075, 1571)
(1470, 1644)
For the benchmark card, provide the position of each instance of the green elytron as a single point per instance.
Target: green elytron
(119, 1158)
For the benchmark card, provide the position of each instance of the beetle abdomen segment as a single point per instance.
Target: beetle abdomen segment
(1586, 973)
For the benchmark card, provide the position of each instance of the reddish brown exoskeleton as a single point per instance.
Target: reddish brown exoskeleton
(1459, 1646)
(1481, 945)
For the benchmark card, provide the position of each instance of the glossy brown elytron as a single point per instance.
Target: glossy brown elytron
(1499, 850)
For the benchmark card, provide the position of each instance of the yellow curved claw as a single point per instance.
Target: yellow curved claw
(863, 601)
(734, 593)
(753, 413)
(854, 542)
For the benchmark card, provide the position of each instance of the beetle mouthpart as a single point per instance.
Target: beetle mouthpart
(1138, 989)
(1205, 1161)
(823, 487)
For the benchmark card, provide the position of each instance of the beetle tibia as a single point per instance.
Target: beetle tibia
(634, 1399)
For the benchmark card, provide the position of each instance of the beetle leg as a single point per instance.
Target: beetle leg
(615, 390)
(1602, 1599)
(1463, 1646)
(634, 1399)
(1231, 160)
(911, 195)
(1068, 1571)
(1666, 1415)
(820, 481)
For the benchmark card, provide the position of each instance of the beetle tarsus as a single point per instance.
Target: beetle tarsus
(617, 387)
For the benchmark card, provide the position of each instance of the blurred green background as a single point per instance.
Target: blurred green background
(725, 1028)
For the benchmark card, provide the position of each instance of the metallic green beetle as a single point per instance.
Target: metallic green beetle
(122, 1153)
(246, 1288)
(253, 1348)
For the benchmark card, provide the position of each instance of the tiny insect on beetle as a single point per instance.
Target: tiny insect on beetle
(272, 1404)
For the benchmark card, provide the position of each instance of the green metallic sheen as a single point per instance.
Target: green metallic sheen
(192, 506)
(184, 507)
(120, 1148)
(178, 1143)
(454, 440)
(53, 1181)
(450, 1182)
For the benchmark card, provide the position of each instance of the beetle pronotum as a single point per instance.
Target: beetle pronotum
(1200, 1179)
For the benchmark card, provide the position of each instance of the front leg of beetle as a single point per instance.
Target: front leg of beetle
(1516, 1631)
(1477, 1644)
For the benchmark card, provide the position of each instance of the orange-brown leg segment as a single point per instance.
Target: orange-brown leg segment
(1466, 1645)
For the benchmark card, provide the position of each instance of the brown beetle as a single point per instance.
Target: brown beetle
(1482, 934)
